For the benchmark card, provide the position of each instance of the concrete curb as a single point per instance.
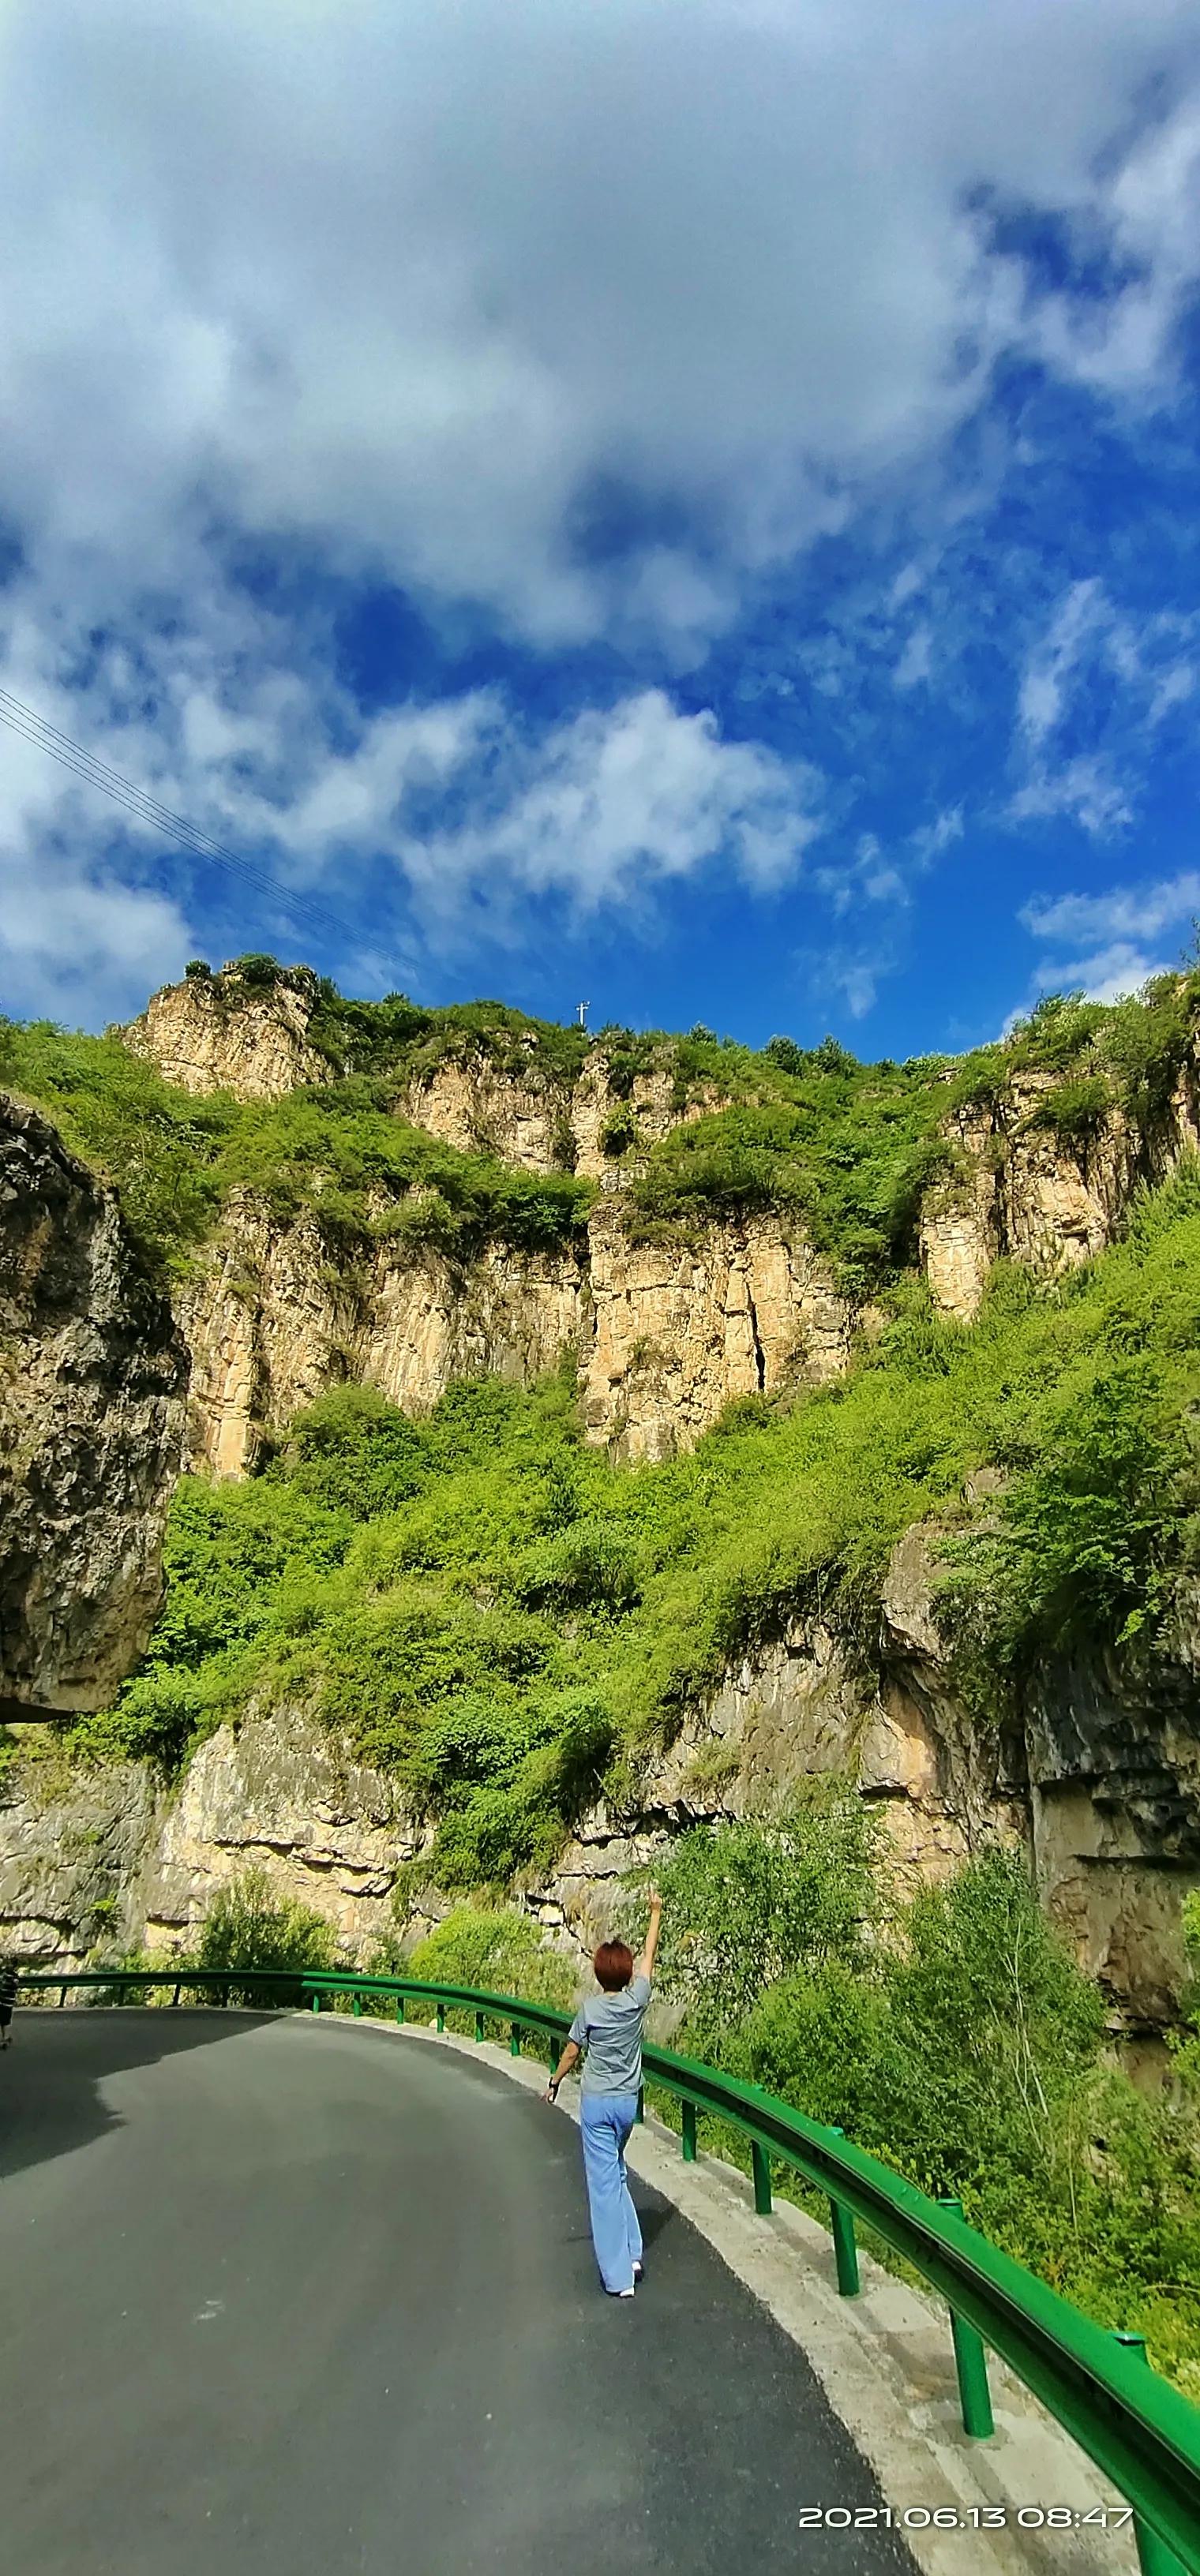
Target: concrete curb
(883, 2359)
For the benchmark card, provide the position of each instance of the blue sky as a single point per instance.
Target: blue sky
(689, 504)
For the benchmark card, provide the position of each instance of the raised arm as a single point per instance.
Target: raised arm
(645, 1965)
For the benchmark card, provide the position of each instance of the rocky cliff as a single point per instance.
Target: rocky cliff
(1098, 1777)
(1096, 1768)
(93, 1376)
(666, 1331)
(218, 1033)
(1030, 1184)
(664, 1335)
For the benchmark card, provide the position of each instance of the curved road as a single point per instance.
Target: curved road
(308, 2299)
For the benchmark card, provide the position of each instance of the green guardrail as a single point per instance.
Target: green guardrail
(1142, 2433)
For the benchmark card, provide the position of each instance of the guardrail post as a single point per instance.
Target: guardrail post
(316, 2001)
(356, 2006)
(970, 2361)
(640, 2113)
(441, 2016)
(514, 2040)
(479, 2025)
(761, 2164)
(688, 2137)
(845, 2242)
(1155, 2558)
(62, 1997)
(175, 1996)
(400, 2008)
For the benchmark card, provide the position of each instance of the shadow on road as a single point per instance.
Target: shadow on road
(654, 2214)
(50, 2079)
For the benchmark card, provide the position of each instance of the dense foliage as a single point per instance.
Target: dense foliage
(248, 1926)
(486, 1604)
(339, 1150)
(953, 2036)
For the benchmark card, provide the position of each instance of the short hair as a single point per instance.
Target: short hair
(613, 1963)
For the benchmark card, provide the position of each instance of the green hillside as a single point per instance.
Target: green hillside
(487, 1604)
(843, 1148)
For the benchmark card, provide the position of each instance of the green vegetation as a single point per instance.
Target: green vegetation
(339, 1150)
(484, 1603)
(845, 1150)
(491, 1947)
(247, 1927)
(953, 2036)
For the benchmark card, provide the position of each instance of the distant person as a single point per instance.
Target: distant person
(8, 1997)
(607, 2034)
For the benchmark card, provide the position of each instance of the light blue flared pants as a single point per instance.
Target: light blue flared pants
(605, 2120)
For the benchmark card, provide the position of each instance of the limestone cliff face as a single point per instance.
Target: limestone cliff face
(679, 1330)
(216, 1033)
(211, 1033)
(92, 1382)
(541, 1125)
(665, 1334)
(664, 1337)
(1030, 1193)
(1097, 1776)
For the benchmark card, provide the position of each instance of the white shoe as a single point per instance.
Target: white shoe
(624, 2294)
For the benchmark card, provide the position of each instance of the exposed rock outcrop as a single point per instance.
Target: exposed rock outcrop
(280, 1794)
(1027, 1190)
(93, 1375)
(1097, 1776)
(541, 1124)
(664, 1335)
(213, 1033)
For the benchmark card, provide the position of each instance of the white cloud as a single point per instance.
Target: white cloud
(584, 318)
(1124, 913)
(916, 661)
(80, 946)
(610, 802)
(853, 973)
(1083, 789)
(1118, 938)
(1101, 668)
(418, 282)
(1107, 975)
(933, 839)
(475, 815)
(1145, 209)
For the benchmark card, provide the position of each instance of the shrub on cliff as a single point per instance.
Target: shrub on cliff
(965, 2048)
(752, 1903)
(249, 1927)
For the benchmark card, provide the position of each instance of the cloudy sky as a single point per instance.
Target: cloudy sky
(688, 504)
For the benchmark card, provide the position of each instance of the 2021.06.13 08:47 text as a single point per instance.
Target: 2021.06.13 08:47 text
(973, 2517)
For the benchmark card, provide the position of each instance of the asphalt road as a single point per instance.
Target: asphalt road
(307, 2299)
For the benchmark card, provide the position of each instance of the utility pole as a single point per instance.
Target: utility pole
(583, 1008)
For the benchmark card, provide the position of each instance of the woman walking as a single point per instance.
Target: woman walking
(607, 2034)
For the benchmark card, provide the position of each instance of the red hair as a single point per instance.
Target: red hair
(613, 1963)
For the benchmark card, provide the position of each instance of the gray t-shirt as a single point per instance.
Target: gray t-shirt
(609, 2028)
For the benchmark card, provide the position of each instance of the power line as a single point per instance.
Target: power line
(147, 809)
